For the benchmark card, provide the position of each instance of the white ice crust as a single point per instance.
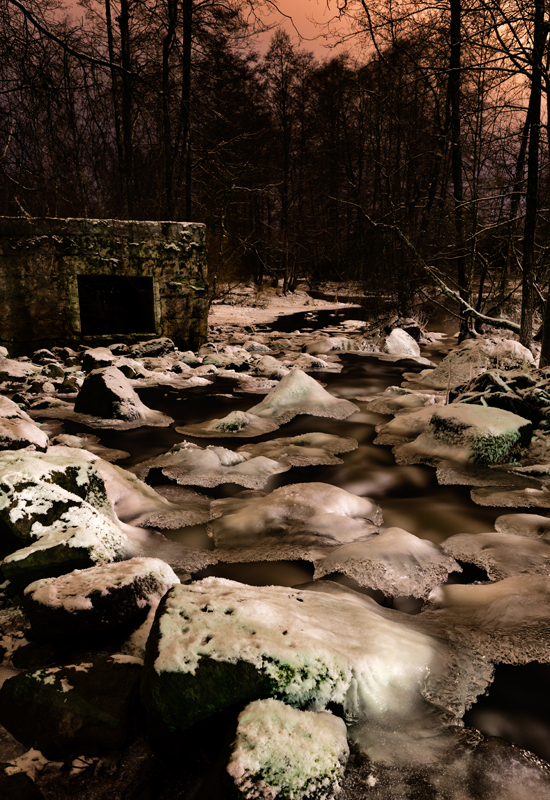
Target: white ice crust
(394, 561)
(317, 648)
(315, 513)
(502, 555)
(189, 464)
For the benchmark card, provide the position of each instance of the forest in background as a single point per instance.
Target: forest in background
(424, 161)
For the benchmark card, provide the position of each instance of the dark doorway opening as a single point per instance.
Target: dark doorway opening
(113, 304)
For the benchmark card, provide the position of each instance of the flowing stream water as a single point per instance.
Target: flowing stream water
(517, 706)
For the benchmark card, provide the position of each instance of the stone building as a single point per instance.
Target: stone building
(91, 281)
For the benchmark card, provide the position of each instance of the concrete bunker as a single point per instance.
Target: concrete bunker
(87, 281)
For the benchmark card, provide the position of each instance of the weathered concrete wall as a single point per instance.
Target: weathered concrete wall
(41, 259)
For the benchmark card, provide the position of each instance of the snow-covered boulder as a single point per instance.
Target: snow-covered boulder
(85, 709)
(395, 561)
(473, 357)
(468, 433)
(299, 393)
(216, 643)
(24, 512)
(280, 751)
(252, 346)
(76, 535)
(97, 358)
(329, 344)
(107, 394)
(400, 343)
(55, 516)
(14, 371)
(188, 464)
(301, 513)
(296, 393)
(16, 434)
(269, 367)
(152, 347)
(97, 599)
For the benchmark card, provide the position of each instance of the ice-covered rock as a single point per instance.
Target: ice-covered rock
(216, 643)
(304, 450)
(269, 367)
(315, 514)
(499, 497)
(405, 426)
(188, 464)
(97, 358)
(152, 347)
(330, 344)
(108, 395)
(473, 357)
(395, 399)
(241, 424)
(299, 393)
(394, 561)
(14, 371)
(506, 621)
(86, 441)
(280, 751)
(16, 434)
(523, 524)
(97, 599)
(467, 433)
(501, 555)
(399, 342)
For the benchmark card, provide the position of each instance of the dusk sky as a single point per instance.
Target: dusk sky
(305, 13)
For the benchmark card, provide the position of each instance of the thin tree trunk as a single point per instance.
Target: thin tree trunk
(531, 204)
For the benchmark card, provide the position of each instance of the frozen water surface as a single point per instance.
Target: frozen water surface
(402, 681)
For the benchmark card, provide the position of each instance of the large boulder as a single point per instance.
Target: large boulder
(400, 343)
(216, 644)
(108, 394)
(17, 434)
(153, 348)
(14, 371)
(468, 433)
(87, 708)
(97, 599)
(55, 516)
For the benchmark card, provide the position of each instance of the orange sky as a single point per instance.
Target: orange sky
(305, 14)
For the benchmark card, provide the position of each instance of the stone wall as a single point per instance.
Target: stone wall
(41, 261)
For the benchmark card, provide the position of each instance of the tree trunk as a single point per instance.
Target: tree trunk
(531, 204)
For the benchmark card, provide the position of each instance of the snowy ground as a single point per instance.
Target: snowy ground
(246, 306)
